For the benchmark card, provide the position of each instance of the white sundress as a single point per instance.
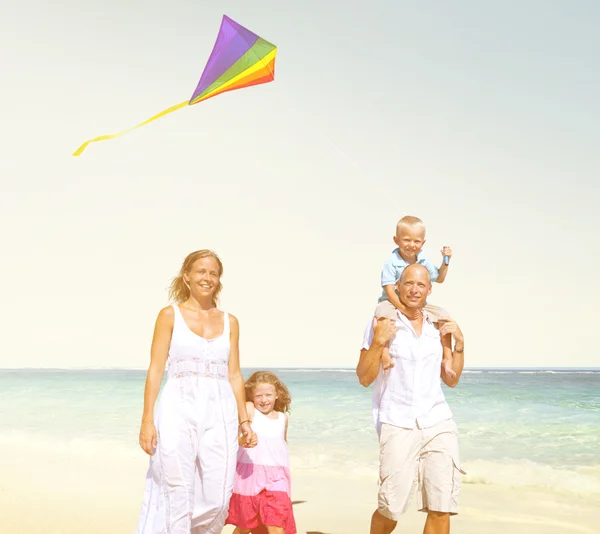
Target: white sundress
(191, 474)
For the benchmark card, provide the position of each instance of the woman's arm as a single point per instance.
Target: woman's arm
(158, 358)
(237, 380)
(241, 437)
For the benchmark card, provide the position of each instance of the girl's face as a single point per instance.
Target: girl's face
(265, 396)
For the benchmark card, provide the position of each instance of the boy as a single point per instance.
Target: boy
(410, 238)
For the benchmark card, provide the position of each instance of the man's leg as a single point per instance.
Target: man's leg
(398, 454)
(439, 477)
(381, 524)
(437, 523)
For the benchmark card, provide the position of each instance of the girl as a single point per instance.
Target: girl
(261, 501)
(192, 438)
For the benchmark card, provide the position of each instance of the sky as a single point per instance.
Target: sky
(481, 118)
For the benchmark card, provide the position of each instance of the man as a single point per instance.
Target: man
(417, 435)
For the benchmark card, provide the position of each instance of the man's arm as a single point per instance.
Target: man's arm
(448, 330)
(368, 364)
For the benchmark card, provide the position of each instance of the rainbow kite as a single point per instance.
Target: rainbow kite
(239, 59)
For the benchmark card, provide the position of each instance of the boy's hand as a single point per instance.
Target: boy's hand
(447, 251)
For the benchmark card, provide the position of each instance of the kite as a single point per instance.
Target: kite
(239, 59)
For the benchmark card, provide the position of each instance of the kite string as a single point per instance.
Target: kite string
(346, 157)
(112, 136)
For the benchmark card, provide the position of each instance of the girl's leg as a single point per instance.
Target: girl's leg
(238, 530)
(275, 530)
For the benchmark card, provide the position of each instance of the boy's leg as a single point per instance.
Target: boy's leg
(435, 313)
(386, 310)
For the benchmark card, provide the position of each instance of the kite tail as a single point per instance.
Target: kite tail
(105, 137)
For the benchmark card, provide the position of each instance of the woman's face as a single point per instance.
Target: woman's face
(203, 277)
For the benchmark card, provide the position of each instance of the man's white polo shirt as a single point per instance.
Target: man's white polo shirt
(410, 393)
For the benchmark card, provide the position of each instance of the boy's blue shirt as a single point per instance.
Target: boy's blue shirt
(394, 265)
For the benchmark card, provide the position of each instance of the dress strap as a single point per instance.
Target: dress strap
(226, 325)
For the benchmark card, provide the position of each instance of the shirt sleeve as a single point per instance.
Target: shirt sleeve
(433, 270)
(388, 273)
(368, 336)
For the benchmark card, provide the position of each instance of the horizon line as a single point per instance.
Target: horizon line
(291, 368)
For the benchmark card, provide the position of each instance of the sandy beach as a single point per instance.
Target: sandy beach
(74, 489)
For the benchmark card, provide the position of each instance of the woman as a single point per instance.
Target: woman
(193, 439)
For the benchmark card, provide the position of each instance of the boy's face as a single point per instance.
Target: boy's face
(410, 240)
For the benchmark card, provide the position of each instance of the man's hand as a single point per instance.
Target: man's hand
(449, 326)
(383, 331)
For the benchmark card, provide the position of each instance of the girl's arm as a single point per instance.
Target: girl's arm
(237, 380)
(286, 427)
(158, 358)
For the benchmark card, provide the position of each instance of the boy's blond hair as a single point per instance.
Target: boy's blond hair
(410, 221)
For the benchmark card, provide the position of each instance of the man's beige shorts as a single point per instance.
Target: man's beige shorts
(426, 459)
(386, 309)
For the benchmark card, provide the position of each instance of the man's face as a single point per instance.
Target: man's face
(410, 240)
(414, 286)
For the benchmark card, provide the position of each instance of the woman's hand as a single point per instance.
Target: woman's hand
(148, 437)
(253, 441)
(248, 436)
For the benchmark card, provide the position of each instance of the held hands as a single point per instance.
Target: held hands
(248, 437)
(148, 437)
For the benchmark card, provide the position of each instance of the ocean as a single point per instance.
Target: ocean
(518, 428)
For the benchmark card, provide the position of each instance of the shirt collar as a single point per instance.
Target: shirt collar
(397, 252)
(426, 320)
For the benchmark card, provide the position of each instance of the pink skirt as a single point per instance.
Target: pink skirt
(255, 512)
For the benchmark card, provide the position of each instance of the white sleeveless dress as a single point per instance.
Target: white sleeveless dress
(191, 474)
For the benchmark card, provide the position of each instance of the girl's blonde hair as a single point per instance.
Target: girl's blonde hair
(179, 291)
(284, 399)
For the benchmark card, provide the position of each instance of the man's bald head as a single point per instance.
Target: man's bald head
(416, 269)
(414, 286)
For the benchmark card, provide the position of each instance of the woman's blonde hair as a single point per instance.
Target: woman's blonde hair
(179, 291)
(284, 399)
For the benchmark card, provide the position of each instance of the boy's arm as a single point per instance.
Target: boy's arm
(392, 296)
(388, 282)
(442, 270)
